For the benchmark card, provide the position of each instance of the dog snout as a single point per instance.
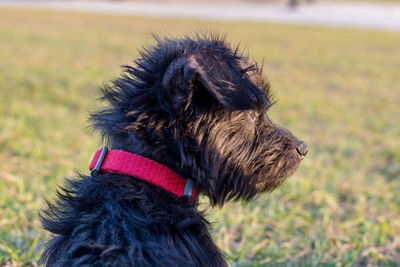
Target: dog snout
(302, 149)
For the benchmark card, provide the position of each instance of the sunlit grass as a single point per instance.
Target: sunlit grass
(339, 90)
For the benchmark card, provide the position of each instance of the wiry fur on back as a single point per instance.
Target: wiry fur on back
(198, 107)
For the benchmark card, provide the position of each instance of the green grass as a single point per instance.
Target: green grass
(337, 89)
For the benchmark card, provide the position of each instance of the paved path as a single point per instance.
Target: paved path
(353, 15)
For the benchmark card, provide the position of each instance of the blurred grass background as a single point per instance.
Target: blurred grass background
(337, 89)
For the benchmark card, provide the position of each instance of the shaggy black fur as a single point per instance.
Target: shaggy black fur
(198, 107)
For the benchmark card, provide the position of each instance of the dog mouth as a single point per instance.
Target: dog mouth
(272, 179)
(301, 156)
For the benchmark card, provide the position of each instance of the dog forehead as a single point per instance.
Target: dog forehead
(213, 45)
(208, 49)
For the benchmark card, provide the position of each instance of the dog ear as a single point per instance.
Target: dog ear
(185, 75)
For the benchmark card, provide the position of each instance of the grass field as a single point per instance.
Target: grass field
(337, 89)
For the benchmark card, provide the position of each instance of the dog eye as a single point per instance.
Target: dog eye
(252, 115)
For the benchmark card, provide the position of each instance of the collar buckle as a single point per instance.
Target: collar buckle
(96, 169)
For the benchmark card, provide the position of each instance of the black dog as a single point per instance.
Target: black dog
(199, 108)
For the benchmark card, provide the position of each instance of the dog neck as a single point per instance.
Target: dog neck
(123, 162)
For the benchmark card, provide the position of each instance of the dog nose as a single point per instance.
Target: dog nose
(302, 149)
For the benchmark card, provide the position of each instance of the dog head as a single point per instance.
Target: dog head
(200, 107)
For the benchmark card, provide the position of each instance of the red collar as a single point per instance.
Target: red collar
(119, 161)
